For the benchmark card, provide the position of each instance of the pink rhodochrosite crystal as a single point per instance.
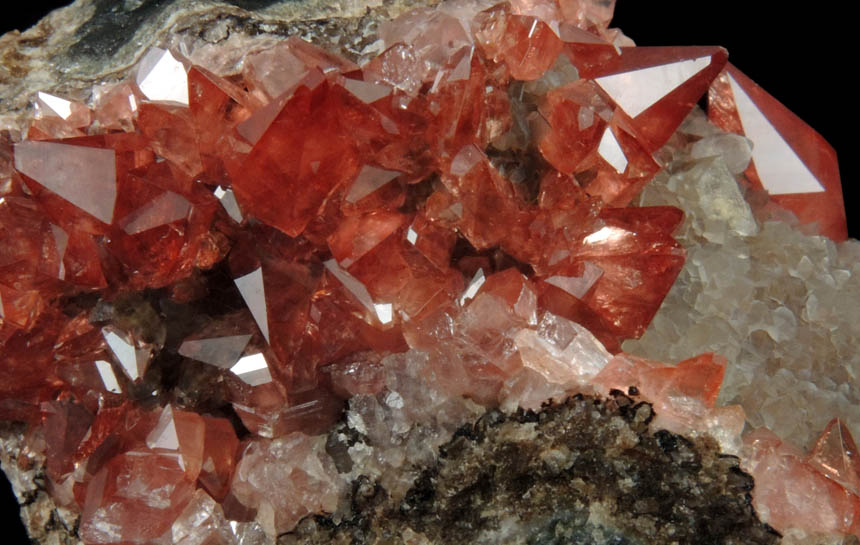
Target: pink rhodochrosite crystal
(791, 162)
(835, 454)
(794, 494)
(200, 271)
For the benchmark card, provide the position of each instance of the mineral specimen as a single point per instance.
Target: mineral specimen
(252, 297)
(592, 474)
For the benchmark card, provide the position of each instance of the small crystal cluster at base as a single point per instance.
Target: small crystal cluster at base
(201, 274)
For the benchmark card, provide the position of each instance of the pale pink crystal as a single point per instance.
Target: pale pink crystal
(292, 475)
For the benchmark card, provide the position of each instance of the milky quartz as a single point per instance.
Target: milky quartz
(785, 317)
(290, 476)
(201, 274)
(778, 304)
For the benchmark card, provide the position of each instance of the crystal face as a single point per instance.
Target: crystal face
(201, 273)
(791, 162)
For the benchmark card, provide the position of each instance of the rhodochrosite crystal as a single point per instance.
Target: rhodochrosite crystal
(790, 161)
(202, 271)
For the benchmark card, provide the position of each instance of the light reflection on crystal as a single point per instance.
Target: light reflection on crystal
(166, 208)
(47, 104)
(108, 377)
(367, 92)
(790, 160)
(162, 78)
(61, 239)
(780, 169)
(611, 151)
(411, 235)
(637, 90)
(369, 179)
(164, 436)
(253, 292)
(132, 360)
(252, 369)
(84, 176)
(604, 235)
(577, 286)
(465, 159)
(464, 67)
(382, 312)
(221, 352)
(229, 202)
(474, 285)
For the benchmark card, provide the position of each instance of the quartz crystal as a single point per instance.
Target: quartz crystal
(234, 297)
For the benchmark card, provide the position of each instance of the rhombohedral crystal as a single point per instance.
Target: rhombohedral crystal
(307, 292)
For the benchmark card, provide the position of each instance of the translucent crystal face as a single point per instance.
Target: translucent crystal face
(790, 161)
(84, 177)
(202, 273)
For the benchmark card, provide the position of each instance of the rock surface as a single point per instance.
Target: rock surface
(591, 474)
(44, 521)
(96, 41)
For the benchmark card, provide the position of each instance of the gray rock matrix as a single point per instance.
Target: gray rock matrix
(92, 42)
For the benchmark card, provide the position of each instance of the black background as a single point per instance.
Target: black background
(804, 56)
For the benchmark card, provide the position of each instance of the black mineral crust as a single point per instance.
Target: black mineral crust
(585, 472)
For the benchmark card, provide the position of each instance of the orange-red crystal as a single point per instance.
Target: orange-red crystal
(305, 218)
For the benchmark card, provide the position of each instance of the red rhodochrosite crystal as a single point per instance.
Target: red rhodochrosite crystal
(675, 78)
(792, 494)
(791, 162)
(684, 395)
(835, 455)
(197, 270)
(604, 132)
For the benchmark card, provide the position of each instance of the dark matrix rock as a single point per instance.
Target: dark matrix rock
(584, 472)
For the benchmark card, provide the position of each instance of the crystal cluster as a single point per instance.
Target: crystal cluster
(775, 301)
(778, 303)
(200, 271)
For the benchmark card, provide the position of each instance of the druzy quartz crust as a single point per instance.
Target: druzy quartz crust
(266, 296)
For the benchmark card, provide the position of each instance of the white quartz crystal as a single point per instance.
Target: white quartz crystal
(781, 305)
